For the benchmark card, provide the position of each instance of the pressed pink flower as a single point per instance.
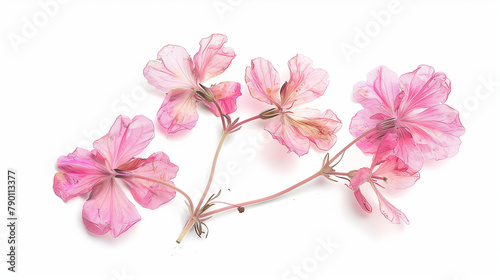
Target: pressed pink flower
(113, 156)
(294, 128)
(388, 174)
(180, 77)
(412, 110)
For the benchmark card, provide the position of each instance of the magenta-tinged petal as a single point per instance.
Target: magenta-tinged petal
(390, 212)
(213, 58)
(385, 149)
(396, 174)
(178, 111)
(125, 139)
(363, 121)
(424, 88)
(360, 177)
(81, 163)
(306, 83)
(380, 89)
(436, 131)
(360, 198)
(108, 209)
(67, 187)
(173, 69)
(282, 130)
(149, 194)
(407, 151)
(263, 81)
(225, 94)
(319, 127)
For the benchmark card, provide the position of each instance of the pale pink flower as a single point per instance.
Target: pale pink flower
(294, 128)
(388, 174)
(412, 110)
(179, 77)
(113, 156)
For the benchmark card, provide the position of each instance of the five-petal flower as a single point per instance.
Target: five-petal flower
(412, 110)
(180, 77)
(113, 156)
(294, 128)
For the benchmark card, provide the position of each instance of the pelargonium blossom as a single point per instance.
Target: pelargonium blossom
(413, 110)
(294, 128)
(388, 173)
(179, 77)
(96, 172)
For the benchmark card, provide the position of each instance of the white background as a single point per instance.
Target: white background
(66, 80)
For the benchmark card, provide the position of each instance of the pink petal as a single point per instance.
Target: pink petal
(360, 177)
(386, 146)
(263, 81)
(436, 131)
(178, 111)
(125, 139)
(226, 94)
(390, 212)
(212, 59)
(173, 70)
(362, 201)
(396, 175)
(81, 163)
(424, 88)
(380, 89)
(319, 127)
(67, 186)
(288, 135)
(109, 209)
(149, 194)
(306, 83)
(406, 150)
(363, 121)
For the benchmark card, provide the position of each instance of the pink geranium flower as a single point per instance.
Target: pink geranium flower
(107, 208)
(294, 128)
(176, 74)
(388, 174)
(413, 111)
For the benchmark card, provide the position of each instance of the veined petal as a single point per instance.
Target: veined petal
(390, 212)
(306, 83)
(407, 150)
(319, 127)
(225, 94)
(423, 88)
(81, 163)
(67, 186)
(173, 69)
(109, 209)
(380, 89)
(436, 131)
(150, 194)
(213, 58)
(363, 121)
(178, 111)
(288, 135)
(360, 198)
(360, 177)
(385, 149)
(263, 81)
(125, 139)
(396, 174)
